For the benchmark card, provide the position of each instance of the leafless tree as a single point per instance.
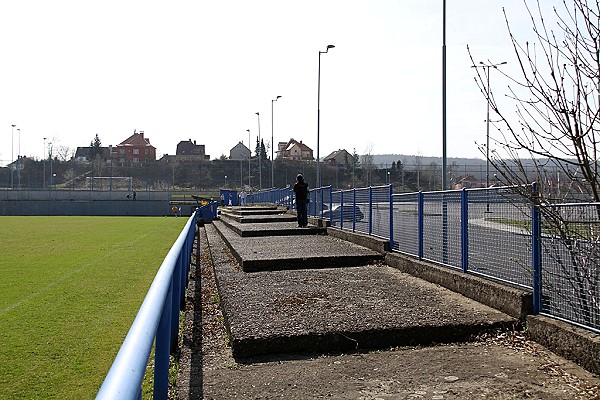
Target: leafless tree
(557, 101)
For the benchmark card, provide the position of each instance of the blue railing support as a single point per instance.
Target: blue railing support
(420, 219)
(536, 252)
(370, 210)
(391, 218)
(464, 229)
(153, 321)
(353, 210)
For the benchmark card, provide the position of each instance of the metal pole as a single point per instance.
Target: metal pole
(12, 155)
(259, 154)
(19, 161)
(444, 160)
(487, 143)
(272, 144)
(318, 181)
(44, 158)
(249, 157)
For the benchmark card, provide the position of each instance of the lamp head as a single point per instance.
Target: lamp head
(330, 46)
(278, 97)
(256, 113)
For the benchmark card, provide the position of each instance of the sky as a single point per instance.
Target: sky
(201, 70)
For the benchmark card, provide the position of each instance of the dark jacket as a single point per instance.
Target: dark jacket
(301, 191)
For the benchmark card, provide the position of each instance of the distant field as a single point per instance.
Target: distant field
(70, 288)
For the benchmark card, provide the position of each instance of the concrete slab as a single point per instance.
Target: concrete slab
(273, 229)
(340, 309)
(294, 252)
(259, 218)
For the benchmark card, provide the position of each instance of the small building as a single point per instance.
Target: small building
(188, 151)
(294, 150)
(339, 157)
(467, 182)
(239, 152)
(136, 148)
(86, 154)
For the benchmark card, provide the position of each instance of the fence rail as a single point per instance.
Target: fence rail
(157, 320)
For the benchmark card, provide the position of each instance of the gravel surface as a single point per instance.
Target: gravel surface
(496, 365)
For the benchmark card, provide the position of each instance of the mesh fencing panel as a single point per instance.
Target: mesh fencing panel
(406, 223)
(500, 235)
(570, 263)
(441, 227)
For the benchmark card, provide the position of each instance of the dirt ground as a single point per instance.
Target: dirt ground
(502, 365)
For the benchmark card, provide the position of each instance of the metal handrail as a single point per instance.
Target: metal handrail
(158, 318)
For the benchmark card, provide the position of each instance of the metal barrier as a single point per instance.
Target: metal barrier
(496, 233)
(570, 274)
(157, 319)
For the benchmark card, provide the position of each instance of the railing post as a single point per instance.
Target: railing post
(420, 218)
(353, 211)
(391, 218)
(464, 229)
(176, 302)
(162, 350)
(341, 208)
(536, 251)
(330, 206)
(370, 210)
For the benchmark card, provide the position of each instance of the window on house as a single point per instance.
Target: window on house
(136, 151)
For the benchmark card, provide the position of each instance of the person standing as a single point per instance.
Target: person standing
(301, 192)
(243, 198)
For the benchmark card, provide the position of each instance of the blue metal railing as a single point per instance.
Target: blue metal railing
(157, 320)
(492, 232)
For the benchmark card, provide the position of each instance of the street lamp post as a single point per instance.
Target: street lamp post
(272, 144)
(330, 46)
(12, 155)
(259, 154)
(19, 160)
(44, 158)
(487, 135)
(249, 157)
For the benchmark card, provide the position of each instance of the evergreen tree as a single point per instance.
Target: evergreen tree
(95, 147)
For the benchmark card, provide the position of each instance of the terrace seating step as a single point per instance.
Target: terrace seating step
(294, 252)
(369, 306)
(285, 228)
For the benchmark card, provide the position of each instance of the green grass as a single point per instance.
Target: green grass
(70, 288)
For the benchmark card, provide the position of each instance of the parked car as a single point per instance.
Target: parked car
(345, 212)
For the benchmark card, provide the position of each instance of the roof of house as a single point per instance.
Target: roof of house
(334, 154)
(137, 139)
(302, 146)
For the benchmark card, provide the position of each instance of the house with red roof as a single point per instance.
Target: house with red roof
(136, 148)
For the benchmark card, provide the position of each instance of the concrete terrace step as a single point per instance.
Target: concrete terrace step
(256, 216)
(273, 229)
(253, 210)
(340, 309)
(294, 252)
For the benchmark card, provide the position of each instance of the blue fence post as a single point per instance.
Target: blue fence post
(330, 207)
(176, 301)
(370, 210)
(391, 218)
(162, 350)
(341, 208)
(353, 211)
(420, 218)
(536, 251)
(464, 229)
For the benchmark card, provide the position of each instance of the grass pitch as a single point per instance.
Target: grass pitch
(70, 288)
